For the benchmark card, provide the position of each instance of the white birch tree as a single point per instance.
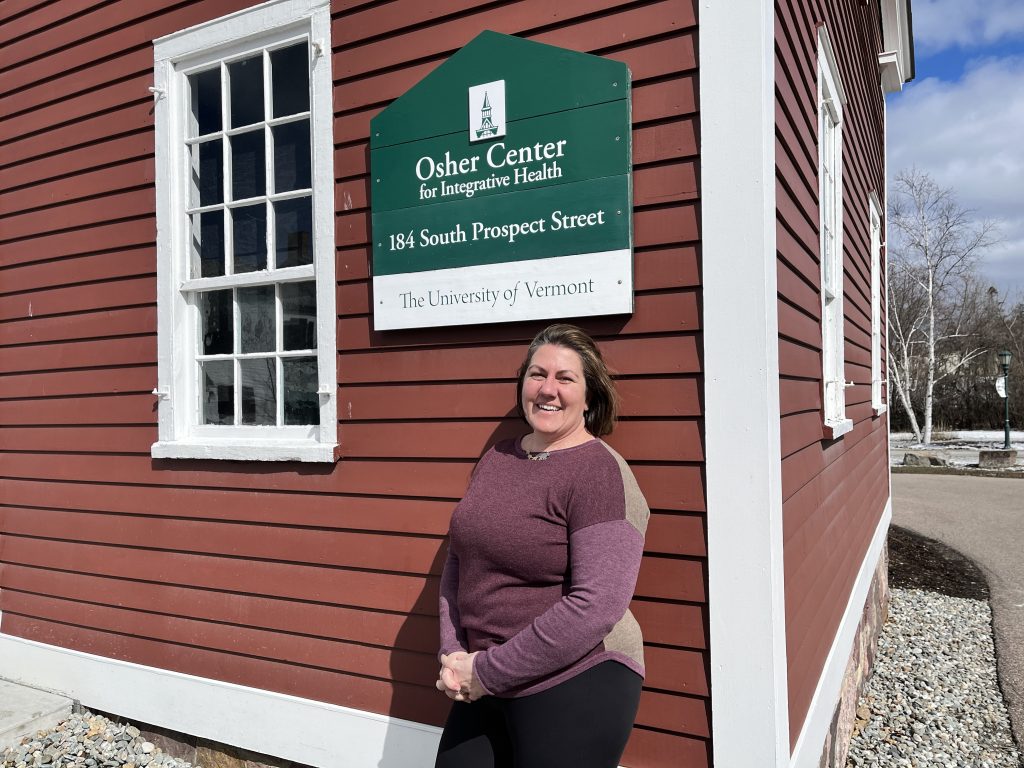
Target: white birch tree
(933, 248)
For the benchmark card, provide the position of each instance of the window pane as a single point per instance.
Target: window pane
(259, 391)
(298, 304)
(217, 319)
(290, 79)
(208, 244)
(291, 156)
(207, 173)
(218, 391)
(246, 91)
(205, 89)
(301, 404)
(248, 165)
(294, 232)
(256, 315)
(250, 237)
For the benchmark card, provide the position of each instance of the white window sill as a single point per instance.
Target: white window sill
(245, 450)
(836, 429)
(878, 410)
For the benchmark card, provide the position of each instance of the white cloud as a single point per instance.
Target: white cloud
(940, 24)
(968, 136)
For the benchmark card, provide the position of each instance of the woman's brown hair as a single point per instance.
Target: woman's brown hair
(602, 399)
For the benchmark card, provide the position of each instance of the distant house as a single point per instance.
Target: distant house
(224, 495)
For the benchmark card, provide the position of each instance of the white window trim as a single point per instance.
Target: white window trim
(875, 227)
(832, 98)
(180, 436)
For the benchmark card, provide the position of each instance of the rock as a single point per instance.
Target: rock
(1000, 459)
(147, 747)
(923, 459)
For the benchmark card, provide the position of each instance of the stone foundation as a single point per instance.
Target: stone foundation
(201, 752)
(846, 721)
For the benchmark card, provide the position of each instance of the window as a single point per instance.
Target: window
(245, 247)
(875, 224)
(830, 199)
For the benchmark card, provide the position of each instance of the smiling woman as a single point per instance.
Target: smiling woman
(538, 648)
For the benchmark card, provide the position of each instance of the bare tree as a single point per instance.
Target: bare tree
(933, 247)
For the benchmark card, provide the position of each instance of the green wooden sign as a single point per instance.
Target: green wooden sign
(502, 189)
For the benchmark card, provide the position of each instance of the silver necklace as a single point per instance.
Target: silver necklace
(534, 455)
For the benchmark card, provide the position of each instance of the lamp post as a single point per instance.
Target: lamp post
(1004, 360)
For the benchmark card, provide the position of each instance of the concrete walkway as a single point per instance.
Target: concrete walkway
(25, 710)
(983, 518)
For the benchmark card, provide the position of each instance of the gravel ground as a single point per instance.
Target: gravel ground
(88, 741)
(934, 700)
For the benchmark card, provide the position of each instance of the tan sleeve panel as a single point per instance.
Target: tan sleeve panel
(626, 638)
(637, 511)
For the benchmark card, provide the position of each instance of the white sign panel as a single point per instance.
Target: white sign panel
(1001, 386)
(565, 286)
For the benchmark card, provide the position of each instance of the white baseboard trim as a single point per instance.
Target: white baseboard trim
(807, 752)
(310, 732)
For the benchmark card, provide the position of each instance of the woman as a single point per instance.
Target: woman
(538, 648)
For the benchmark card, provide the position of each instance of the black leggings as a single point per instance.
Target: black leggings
(584, 721)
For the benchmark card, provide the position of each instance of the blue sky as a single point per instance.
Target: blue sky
(962, 118)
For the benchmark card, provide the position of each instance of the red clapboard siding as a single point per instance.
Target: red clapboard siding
(118, 322)
(92, 102)
(115, 150)
(834, 491)
(132, 262)
(130, 118)
(87, 184)
(799, 395)
(110, 552)
(426, 517)
(82, 354)
(103, 32)
(140, 378)
(22, 17)
(81, 298)
(414, 632)
(402, 666)
(656, 748)
(93, 239)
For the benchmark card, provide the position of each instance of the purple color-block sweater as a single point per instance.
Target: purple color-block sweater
(542, 564)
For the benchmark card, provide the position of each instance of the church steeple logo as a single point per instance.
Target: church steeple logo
(487, 111)
(487, 127)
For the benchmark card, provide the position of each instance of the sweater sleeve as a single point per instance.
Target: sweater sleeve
(453, 636)
(604, 562)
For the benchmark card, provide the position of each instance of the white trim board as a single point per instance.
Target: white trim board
(746, 599)
(306, 731)
(807, 751)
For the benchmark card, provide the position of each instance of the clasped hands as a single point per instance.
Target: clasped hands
(456, 677)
